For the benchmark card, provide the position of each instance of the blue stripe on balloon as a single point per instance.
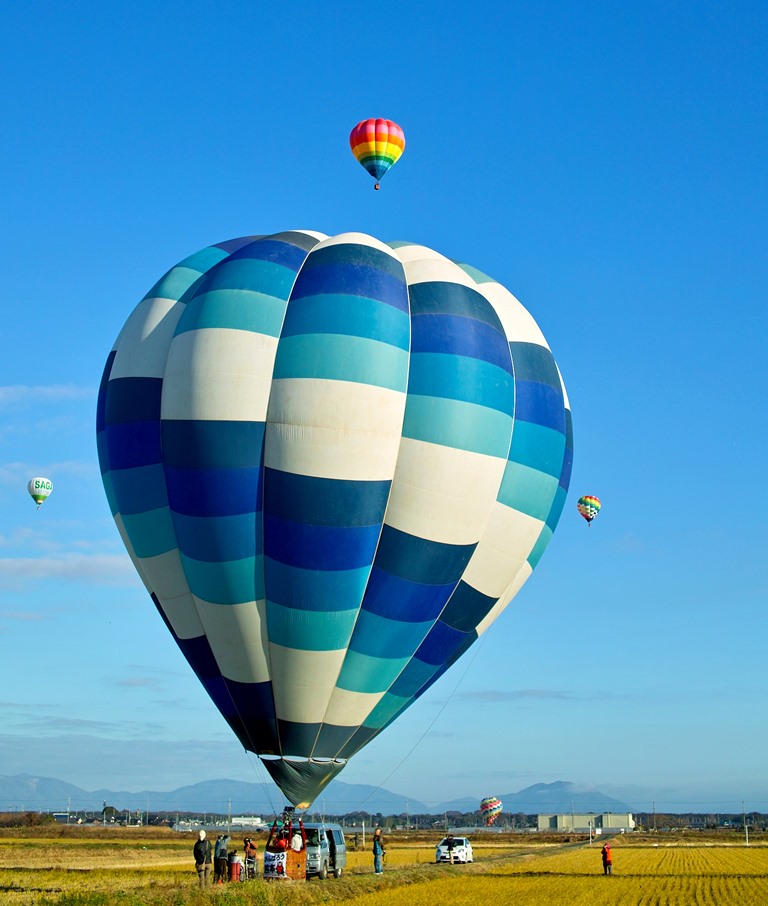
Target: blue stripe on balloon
(253, 705)
(132, 445)
(234, 309)
(460, 336)
(139, 490)
(454, 423)
(438, 645)
(101, 402)
(216, 538)
(420, 560)
(331, 739)
(540, 404)
(448, 298)
(251, 275)
(557, 508)
(534, 363)
(198, 444)
(342, 358)
(310, 500)
(214, 492)
(347, 315)
(151, 533)
(467, 608)
(320, 547)
(225, 582)
(109, 490)
(565, 475)
(355, 256)
(527, 490)
(369, 673)
(384, 638)
(319, 590)
(462, 378)
(538, 447)
(133, 399)
(352, 280)
(401, 599)
(271, 249)
(307, 630)
(296, 738)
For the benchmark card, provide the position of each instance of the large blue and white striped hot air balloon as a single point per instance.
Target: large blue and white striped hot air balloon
(333, 462)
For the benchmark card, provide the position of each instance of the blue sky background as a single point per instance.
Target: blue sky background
(607, 163)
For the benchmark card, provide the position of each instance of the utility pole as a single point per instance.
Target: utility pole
(654, 816)
(573, 819)
(744, 819)
(229, 814)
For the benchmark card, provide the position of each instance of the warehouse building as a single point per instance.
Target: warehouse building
(615, 822)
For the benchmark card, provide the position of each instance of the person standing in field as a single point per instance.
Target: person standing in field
(251, 858)
(607, 857)
(202, 852)
(220, 858)
(378, 852)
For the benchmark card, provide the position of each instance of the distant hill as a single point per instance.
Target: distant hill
(26, 792)
(559, 797)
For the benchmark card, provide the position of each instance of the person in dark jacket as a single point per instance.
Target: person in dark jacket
(202, 851)
(220, 859)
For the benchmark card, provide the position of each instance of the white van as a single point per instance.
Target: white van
(326, 850)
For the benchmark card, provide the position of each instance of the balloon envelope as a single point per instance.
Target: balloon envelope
(589, 507)
(334, 462)
(39, 489)
(377, 144)
(490, 809)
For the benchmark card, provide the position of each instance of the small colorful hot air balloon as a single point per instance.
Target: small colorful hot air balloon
(589, 507)
(377, 144)
(490, 809)
(39, 489)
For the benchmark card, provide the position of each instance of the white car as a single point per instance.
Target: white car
(459, 847)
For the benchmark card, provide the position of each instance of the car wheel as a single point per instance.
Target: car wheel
(323, 873)
(337, 872)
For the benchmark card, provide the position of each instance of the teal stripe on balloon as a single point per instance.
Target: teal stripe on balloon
(253, 274)
(538, 447)
(236, 309)
(461, 378)
(541, 545)
(151, 533)
(368, 674)
(335, 358)
(324, 591)
(383, 638)
(527, 490)
(454, 423)
(386, 710)
(347, 315)
(226, 582)
(306, 630)
(177, 281)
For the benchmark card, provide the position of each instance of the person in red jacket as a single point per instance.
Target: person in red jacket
(607, 856)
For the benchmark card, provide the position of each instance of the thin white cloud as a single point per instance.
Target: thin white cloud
(19, 473)
(21, 616)
(22, 394)
(97, 569)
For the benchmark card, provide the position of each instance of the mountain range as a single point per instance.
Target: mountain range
(24, 792)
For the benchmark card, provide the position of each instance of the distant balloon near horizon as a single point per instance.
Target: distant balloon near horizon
(39, 489)
(334, 462)
(589, 507)
(490, 809)
(377, 145)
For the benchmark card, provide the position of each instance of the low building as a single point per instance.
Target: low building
(615, 822)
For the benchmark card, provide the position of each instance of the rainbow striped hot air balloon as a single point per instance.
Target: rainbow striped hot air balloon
(377, 144)
(589, 507)
(490, 809)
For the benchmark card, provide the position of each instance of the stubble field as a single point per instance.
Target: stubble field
(96, 868)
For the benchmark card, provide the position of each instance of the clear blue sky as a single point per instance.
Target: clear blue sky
(607, 163)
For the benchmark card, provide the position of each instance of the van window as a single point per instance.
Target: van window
(338, 837)
(312, 836)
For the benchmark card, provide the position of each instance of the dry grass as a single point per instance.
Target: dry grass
(114, 867)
